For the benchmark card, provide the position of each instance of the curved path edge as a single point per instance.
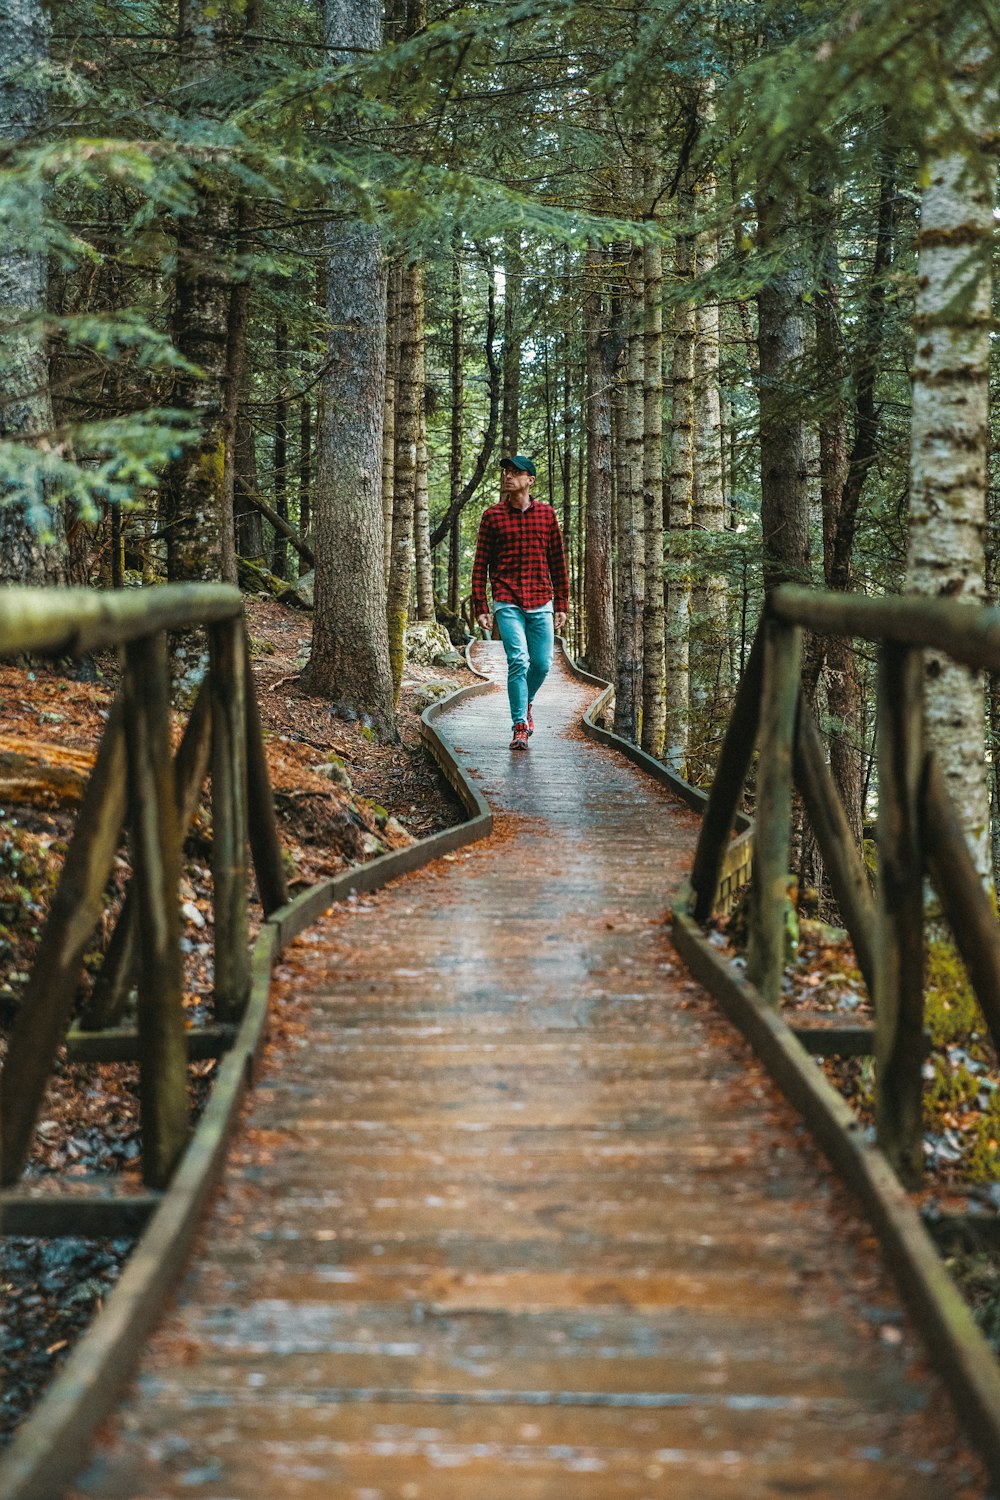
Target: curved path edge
(956, 1345)
(52, 1445)
(958, 1349)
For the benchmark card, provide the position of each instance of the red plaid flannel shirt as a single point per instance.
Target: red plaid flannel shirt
(522, 552)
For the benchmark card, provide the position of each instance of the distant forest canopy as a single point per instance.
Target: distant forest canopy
(281, 282)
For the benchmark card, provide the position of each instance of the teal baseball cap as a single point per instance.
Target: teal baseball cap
(520, 461)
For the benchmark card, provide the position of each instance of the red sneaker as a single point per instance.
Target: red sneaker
(531, 722)
(520, 739)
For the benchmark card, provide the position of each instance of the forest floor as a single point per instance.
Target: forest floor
(341, 798)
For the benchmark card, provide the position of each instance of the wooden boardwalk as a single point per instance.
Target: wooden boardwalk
(517, 1217)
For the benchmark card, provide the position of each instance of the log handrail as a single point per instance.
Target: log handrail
(918, 831)
(137, 784)
(969, 633)
(71, 622)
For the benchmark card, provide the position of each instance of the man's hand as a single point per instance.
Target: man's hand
(559, 619)
(485, 621)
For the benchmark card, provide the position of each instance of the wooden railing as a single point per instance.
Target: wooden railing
(137, 783)
(919, 833)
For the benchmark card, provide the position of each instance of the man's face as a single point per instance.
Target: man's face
(515, 483)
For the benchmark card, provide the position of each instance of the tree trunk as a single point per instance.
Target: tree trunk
(631, 540)
(422, 522)
(237, 329)
(709, 662)
(421, 498)
(781, 339)
(493, 379)
(279, 550)
(389, 420)
(32, 547)
(949, 434)
(598, 592)
(349, 662)
(509, 425)
(193, 494)
(249, 533)
(841, 677)
(653, 702)
(235, 383)
(993, 680)
(566, 456)
(581, 538)
(678, 618)
(457, 414)
(305, 474)
(409, 403)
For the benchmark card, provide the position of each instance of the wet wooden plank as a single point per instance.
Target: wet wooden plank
(446, 1451)
(521, 1216)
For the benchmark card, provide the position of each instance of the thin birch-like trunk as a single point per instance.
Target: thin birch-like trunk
(993, 682)
(840, 677)
(619, 415)
(949, 433)
(709, 636)
(193, 490)
(249, 532)
(234, 392)
(566, 461)
(598, 567)
(581, 538)
(511, 360)
(421, 526)
(237, 331)
(279, 550)
(631, 539)
(409, 403)
(193, 495)
(305, 475)
(457, 414)
(393, 291)
(653, 701)
(678, 618)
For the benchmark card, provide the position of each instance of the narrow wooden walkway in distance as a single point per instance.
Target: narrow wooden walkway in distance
(519, 1218)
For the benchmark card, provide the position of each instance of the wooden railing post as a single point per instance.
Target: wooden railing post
(265, 845)
(156, 866)
(899, 992)
(779, 701)
(727, 787)
(229, 818)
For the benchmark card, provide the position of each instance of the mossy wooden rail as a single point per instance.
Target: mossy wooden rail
(918, 835)
(137, 784)
(918, 831)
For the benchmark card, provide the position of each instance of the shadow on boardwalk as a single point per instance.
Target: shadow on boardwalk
(517, 1217)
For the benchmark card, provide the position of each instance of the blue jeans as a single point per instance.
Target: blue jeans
(528, 637)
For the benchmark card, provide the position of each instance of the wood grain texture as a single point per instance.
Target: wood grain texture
(521, 1215)
(899, 983)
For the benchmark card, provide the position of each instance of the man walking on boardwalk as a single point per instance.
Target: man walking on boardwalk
(520, 550)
